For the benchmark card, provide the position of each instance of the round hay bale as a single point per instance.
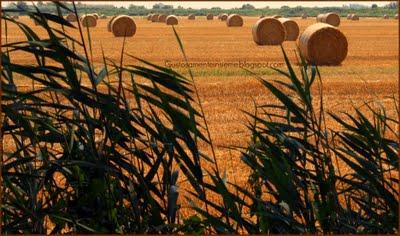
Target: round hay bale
(88, 21)
(95, 15)
(191, 17)
(396, 16)
(210, 16)
(109, 23)
(171, 20)
(349, 16)
(234, 20)
(276, 16)
(291, 28)
(71, 17)
(162, 17)
(304, 16)
(329, 18)
(323, 44)
(123, 26)
(154, 18)
(354, 17)
(103, 17)
(224, 17)
(268, 31)
(149, 17)
(385, 16)
(262, 16)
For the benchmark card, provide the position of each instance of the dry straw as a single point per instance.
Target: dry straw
(234, 20)
(123, 26)
(162, 18)
(154, 18)
(95, 15)
(109, 23)
(171, 20)
(329, 18)
(291, 28)
(276, 16)
(71, 17)
(323, 44)
(224, 17)
(88, 21)
(210, 16)
(191, 17)
(268, 31)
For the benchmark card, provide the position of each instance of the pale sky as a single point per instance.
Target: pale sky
(233, 4)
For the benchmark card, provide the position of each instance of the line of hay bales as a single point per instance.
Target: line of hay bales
(191, 17)
(162, 18)
(210, 16)
(331, 18)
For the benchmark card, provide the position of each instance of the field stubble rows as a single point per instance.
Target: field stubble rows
(370, 71)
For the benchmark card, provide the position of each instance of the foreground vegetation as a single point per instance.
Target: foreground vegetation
(120, 149)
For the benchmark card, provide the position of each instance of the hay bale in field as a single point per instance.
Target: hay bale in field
(291, 28)
(109, 23)
(88, 21)
(354, 17)
(276, 16)
(103, 17)
(349, 16)
(162, 17)
(323, 44)
(123, 26)
(95, 15)
(268, 31)
(224, 17)
(234, 20)
(149, 17)
(262, 16)
(304, 16)
(191, 17)
(71, 17)
(329, 18)
(210, 16)
(154, 18)
(385, 16)
(396, 16)
(171, 20)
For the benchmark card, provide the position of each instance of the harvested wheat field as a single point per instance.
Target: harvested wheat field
(370, 71)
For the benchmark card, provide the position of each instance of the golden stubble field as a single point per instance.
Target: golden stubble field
(370, 71)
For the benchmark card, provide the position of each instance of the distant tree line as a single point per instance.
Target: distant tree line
(245, 10)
